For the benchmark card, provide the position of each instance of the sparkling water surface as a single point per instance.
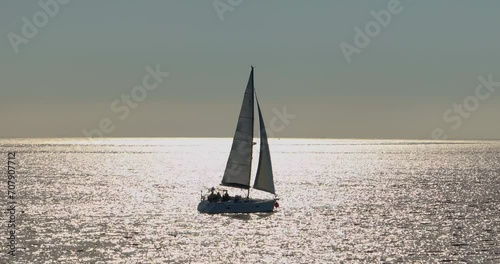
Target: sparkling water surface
(341, 201)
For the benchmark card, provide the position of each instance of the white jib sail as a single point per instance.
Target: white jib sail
(264, 179)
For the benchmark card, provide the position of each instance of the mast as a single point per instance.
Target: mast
(251, 155)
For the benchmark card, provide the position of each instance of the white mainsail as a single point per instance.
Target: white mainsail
(264, 178)
(238, 168)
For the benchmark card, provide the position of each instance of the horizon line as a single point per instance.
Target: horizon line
(194, 137)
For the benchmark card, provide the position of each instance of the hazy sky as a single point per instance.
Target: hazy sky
(428, 57)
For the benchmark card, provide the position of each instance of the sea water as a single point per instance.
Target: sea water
(133, 200)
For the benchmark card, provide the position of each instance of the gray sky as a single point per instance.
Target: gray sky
(428, 57)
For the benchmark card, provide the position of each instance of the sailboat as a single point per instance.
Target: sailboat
(239, 166)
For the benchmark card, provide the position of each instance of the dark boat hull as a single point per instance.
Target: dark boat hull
(237, 206)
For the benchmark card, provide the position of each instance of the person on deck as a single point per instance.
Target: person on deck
(212, 197)
(226, 197)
